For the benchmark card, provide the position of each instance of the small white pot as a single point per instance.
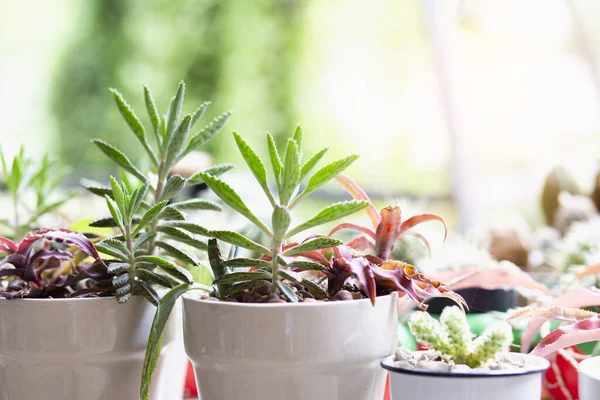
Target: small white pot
(316, 351)
(74, 349)
(589, 379)
(516, 384)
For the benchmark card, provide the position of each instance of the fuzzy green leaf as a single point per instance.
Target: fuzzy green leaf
(178, 141)
(152, 213)
(287, 291)
(291, 276)
(306, 266)
(329, 214)
(291, 173)
(137, 198)
(196, 204)
(199, 113)
(153, 114)
(117, 267)
(176, 233)
(207, 133)
(115, 212)
(298, 138)
(233, 200)
(190, 227)
(201, 273)
(236, 277)
(121, 280)
(180, 254)
(119, 158)
(281, 220)
(275, 160)
(311, 163)
(313, 244)
(134, 123)
(152, 278)
(246, 262)
(173, 115)
(324, 175)
(143, 239)
(168, 266)
(241, 241)
(171, 213)
(174, 185)
(254, 163)
(99, 191)
(109, 222)
(215, 170)
(311, 287)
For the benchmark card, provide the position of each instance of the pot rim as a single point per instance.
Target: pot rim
(534, 369)
(226, 304)
(59, 299)
(583, 368)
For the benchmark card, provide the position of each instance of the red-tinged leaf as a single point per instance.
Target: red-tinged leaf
(361, 243)
(584, 331)
(364, 274)
(419, 219)
(7, 245)
(45, 254)
(575, 298)
(356, 227)
(490, 279)
(357, 193)
(588, 270)
(388, 231)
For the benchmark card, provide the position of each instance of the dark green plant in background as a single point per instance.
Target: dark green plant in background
(206, 47)
(26, 179)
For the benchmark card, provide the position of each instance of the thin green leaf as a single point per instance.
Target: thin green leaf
(177, 141)
(298, 138)
(123, 295)
(114, 211)
(311, 163)
(275, 160)
(241, 241)
(207, 133)
(153, 278)
(216, 264)
(291, 276)
(134, 123)
(123, 290)
(180, 254)
(255, 165)
(201, 273)
(199, 113)
(109, 222)
(143, 239)
(306, 266)
(137, 198)
(281, 220)
(152, 213)
(215, 170)
(171, 213)
(117, 245)
(324, 175)
(163, 311)
(291, 173)
(313, 244)
(149, 293)
(174, 114)
(311, 287)
(246, 262)
(153, 114)
(174, 185)
(236, 277)
(168, 266)
(190, 227)
(233, 200)
(117, 268)
(287, 291)
(118, 195)
(121, 280)
(119, 158)
(196, 204)
(329, 214)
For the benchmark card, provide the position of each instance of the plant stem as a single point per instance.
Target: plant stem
(160, 186)
(129, 244)
(275, 265)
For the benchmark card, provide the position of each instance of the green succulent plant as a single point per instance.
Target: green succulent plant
(27, 178)
(452, 337)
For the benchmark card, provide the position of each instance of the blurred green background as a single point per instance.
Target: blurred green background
(465, 104)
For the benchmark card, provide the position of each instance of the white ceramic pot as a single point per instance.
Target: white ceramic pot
(74, 349)
(517, 384)
(316, 351)
(589, 379)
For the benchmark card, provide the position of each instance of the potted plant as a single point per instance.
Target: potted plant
(459, 367)
(305, 315)
(76, 341)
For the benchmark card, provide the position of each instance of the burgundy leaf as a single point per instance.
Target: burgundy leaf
(45, 254)
(356, 227)
(361, 269)
(388, 231)
(361, 243)
(7, 245)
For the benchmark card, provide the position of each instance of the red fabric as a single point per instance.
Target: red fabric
(560, 380)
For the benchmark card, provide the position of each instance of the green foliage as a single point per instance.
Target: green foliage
(288, 173)
(26, 179)
(452, 337)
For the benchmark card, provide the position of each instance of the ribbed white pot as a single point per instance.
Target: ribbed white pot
(516, 384)
(74, 349)
(589, 379)
(316, 351)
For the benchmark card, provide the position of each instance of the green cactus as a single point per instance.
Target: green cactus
(453, 338)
